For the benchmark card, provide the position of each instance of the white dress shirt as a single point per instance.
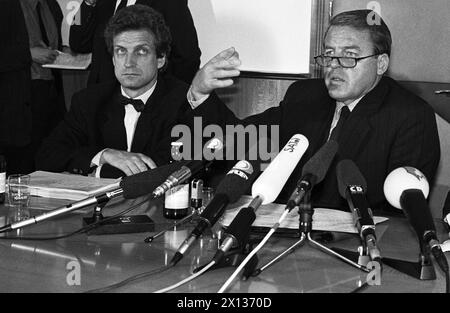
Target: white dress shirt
(129, 2)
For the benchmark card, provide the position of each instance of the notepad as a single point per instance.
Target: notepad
(70, 61)
(68, 186)
(323, 219)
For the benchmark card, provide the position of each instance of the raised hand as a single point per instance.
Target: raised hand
(217, 73)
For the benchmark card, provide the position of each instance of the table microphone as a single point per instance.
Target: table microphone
(187, 170)
(144, 183)
(264, 190)
(129, 187)
(407, 188)
(352, 187)
(230, 189)
(313, 172)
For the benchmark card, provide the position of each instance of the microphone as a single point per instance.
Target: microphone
(270, 183)
(129, 187)
(407, 188)
(313, 172)
(230, 189)
(99, 199)
(352, 187)
(140, 184)
(187, 170)
(264, 190)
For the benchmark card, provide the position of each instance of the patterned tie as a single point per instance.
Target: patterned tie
(345, 112)
(122, 4)
(138, 104)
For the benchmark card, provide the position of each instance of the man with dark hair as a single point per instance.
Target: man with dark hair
(385, 126)
(114, 129)
(183, 61)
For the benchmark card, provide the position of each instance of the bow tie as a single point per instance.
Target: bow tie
(138, 104)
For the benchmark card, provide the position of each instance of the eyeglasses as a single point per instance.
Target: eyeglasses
(346, 62)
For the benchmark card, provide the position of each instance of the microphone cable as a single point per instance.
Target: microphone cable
(254, 251)
(131, 279)
(186, 280)
(178, 223)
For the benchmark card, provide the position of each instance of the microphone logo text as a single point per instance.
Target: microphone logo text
(291, 145)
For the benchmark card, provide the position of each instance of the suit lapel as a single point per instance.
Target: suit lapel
(359, 124)
(113, 131)
(146, 122)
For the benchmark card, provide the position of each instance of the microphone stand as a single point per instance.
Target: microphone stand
(235, 256)
(306, 212)
(423, 269)
(118, 225)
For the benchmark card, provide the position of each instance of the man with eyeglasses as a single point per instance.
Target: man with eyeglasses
(385, 126)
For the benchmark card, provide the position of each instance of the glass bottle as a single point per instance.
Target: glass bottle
(176, 203)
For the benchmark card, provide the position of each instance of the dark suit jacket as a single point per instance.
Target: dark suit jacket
(15, 76)
(95, 122)
(184, 59)
(389, 128)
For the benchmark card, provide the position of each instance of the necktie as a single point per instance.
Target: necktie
(345, 112)
(138, 104)
(122, 4)
(41, 24)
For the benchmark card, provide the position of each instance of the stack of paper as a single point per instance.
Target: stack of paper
(68, 186)
(323, 219)
(71, 61)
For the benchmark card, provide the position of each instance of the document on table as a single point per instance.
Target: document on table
(71, 61)
(323, 219)
(68, 186)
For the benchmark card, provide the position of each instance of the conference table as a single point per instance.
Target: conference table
(87, 262)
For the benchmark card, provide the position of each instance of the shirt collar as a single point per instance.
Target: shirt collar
(351, 106)
(144, 97)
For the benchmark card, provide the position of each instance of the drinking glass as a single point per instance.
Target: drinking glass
(18, 190)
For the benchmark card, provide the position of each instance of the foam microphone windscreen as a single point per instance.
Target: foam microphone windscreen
(416, 209)
(319, 164)
(348, 174)
(144, 183)
(401, 179)
(237, 180)
(269, 184)
(230, 189)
